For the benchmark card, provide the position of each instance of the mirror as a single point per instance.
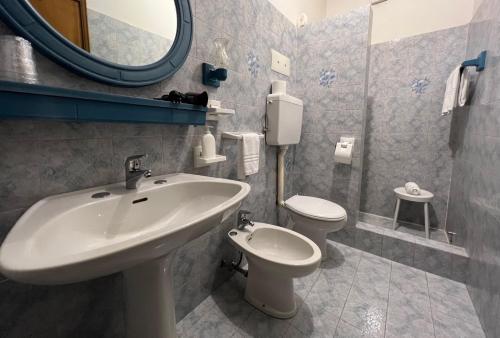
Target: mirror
(125, 32)
(119, 42)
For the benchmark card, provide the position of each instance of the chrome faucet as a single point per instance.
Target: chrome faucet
(134, 171)
(243, 220)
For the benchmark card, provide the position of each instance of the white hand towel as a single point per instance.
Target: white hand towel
(464, 88)
(451, 93)
(248, 162)
(412, 188)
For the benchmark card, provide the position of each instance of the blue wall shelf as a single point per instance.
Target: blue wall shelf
(21, 100)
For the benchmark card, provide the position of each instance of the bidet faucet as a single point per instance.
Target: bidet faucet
(134, 171)
(243, 220)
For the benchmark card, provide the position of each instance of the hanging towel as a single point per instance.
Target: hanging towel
(464, 88)
(451, 93)
(248, 162)
(412, 188)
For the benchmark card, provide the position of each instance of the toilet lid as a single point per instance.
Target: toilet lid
(316, 208)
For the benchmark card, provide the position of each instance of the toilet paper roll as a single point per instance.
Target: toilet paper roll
(343, 153)
(279, 87)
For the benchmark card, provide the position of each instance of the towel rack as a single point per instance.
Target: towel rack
(479, 62)
(236, 135)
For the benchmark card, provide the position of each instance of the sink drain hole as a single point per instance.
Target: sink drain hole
(140, 200)
(101, 194)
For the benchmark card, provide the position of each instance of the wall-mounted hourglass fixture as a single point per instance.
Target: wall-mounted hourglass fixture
(214, 74)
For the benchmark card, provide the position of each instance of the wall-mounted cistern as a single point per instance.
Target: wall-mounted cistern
(134, 171)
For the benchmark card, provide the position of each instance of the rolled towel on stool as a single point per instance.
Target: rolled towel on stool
(412, 188)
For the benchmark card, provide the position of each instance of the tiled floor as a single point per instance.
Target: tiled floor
(353, 294)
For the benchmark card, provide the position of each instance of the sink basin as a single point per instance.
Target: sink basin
(74, 237)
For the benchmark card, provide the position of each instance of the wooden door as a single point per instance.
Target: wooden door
(68, 17)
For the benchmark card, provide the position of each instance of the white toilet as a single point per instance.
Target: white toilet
(275, 256)
(313, 217)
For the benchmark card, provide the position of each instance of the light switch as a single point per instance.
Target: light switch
(280, 63)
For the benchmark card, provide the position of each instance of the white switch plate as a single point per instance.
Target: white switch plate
(280, 63)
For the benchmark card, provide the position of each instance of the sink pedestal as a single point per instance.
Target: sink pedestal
(149, 298)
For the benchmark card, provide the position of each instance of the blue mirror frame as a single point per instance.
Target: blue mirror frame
(26, 22)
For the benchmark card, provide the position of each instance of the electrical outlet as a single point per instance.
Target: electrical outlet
(280, 63)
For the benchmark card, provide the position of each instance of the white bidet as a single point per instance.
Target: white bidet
(275, 256)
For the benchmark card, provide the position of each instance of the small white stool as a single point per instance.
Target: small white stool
(424, 197)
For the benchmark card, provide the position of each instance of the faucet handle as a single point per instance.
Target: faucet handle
(134, 162)
(243, 219)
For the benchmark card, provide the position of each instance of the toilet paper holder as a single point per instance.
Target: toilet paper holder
(344, 150)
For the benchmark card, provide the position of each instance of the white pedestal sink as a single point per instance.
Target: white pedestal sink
(74, 237)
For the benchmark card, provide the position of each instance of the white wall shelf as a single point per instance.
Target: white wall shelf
(204, 162)
(236, 135)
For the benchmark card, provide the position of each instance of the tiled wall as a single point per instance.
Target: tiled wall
(406, 137)
(332, 59)
(475, 187)
(42, 158)
(122, 43)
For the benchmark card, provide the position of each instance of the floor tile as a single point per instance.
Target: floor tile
(408, 315)
(365, 312)
(327, 291)
(229, 301)
(261, 325)
(321, 310)
(450, 327)
(451, 298)
(211, 325)
(194, 316)
(294, 333)
(317, 320)
(374, 266)
(373, 277)
(408, 280)
(346, 330)
(353, 294)
(303, 285)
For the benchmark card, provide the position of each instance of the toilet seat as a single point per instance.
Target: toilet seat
(316, 208)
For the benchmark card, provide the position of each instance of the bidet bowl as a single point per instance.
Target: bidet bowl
(278, 249)
(275, 256)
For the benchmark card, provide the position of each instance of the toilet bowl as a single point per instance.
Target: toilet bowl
(315, 217)
(275, 256)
